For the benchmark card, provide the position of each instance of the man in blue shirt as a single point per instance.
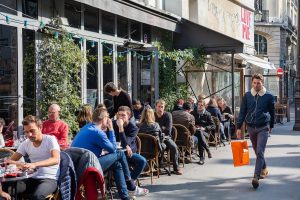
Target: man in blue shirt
(93, 138)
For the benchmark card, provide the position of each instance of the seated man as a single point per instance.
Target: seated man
(137, 109)
(204, 124)
(44, 154)
(93, 138)
(56, 127)
(126, 133)
(164, 119)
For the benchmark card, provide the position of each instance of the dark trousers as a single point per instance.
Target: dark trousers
(201, 140)
(173, 152)
(38, 189)
(259, 138)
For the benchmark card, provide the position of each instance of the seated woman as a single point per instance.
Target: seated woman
(227, 116)
(213, 109)
(85, 115)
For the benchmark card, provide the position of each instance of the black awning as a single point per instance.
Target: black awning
(193, 35)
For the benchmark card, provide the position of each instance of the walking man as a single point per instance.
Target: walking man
(257, 110)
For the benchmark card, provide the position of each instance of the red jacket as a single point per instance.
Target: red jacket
(88, 184)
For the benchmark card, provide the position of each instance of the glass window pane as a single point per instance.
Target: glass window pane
(135, 31)
(9, 79)
(122, 27)
(92, 73)
(108, 23)
(146, 33)
(122, 68)
(30, 8)
(10, 4)
(107, 66)
(91, 19)
(73, 13)
(28, 72)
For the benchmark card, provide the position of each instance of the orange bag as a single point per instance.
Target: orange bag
(240, 153)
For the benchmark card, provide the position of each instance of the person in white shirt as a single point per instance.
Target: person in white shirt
(44, 154)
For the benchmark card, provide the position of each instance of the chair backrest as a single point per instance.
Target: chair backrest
(174, 133)
(183, 135)
(6, 152)
(149, 145)
(138, 144)
(217, 123)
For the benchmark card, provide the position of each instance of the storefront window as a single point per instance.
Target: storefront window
(135, 30)
(122, 27)
(9, 79)
(92, 73)
(91, 19)
(122, 68)
(29, 72)
(107, 67)
(30, 8)
(108, 23)
(11, 4)
(73, 13)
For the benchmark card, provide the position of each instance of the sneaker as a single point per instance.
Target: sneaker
(138, 192)
(255, 182)
(264, 173)
(201, 162)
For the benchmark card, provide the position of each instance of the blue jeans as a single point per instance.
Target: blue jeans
(118, 163)
(138, 164)
(259, 138)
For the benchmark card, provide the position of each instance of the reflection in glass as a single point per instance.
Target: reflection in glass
(107, 66)
(30, 8)
(28, 72)
(108, 23)
(73, 13)
(122, 27)
(135, 31)
(91, 19)
(147, 33)
(9, 79)
(122, 68)
(92, 73)
(11, 4)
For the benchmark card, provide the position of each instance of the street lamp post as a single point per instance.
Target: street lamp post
(297, 94)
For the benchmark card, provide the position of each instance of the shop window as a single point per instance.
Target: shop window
(30, 8)
(73, 13)
(108, 23)
(135, 30)
(122, 27)
(92, 73)
(8, 6)
(29, 72)
(107, 67)
(260, 44)
(122, 68)
(91, 19)
(146, 33)
(9, 79)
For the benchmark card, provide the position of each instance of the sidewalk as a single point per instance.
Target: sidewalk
(218, 179)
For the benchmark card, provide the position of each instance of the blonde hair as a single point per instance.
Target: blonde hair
(160, 101)
(85, 114)
(148, 116)
(212, 102)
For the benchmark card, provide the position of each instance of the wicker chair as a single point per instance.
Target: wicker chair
(215, 135)
(183, 141)
(149, 149)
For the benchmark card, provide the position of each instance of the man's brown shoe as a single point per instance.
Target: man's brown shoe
(178, 172)
(264, 173)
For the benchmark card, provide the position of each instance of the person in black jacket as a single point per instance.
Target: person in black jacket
(204, 124)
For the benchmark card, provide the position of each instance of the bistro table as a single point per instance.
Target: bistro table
(12, 181)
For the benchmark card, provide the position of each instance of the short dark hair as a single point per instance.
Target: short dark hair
(187, 106)
(258, 76)
(125, 109)
(136, 101)
(32, 119)
(99, 114)
(110, 87)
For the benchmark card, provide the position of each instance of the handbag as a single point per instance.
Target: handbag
(240, 153)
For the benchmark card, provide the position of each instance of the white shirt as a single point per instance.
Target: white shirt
(40, 153)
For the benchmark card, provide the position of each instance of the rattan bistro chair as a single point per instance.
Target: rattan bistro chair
(149, 150)
(183, 141)
(215, 135)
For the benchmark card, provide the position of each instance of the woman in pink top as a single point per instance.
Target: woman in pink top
(55, 126)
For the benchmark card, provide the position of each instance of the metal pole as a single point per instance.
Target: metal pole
(297, 94)
(232, 81)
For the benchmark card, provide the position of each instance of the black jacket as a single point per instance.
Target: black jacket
(204, 120)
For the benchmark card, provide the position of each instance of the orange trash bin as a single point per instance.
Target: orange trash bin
(240, 153)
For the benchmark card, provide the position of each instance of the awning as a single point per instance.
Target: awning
(193, 35)
(254, 61)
